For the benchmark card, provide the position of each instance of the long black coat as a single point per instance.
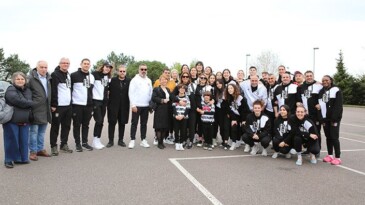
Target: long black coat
(118, 105)
(161, 117)
(21, 100)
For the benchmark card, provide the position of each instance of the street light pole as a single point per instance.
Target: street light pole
(314, 59)
(247, 55)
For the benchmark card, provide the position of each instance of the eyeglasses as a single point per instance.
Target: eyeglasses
(143, 69)
(122, 71)
(65, 63)
(185, 76)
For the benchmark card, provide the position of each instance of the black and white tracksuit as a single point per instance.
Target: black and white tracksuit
(257, 125)
(287, 95)
(331, 103)
(271, 106)
(207, 121)
(61, 100)
(282, 130)
(100, 100)
(82, 104)
(180, 126)
(301, 131)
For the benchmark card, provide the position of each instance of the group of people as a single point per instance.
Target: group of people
(189, 107)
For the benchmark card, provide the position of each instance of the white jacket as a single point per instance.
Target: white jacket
(140, 91)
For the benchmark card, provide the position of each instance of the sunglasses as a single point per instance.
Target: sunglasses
(122, 71)
(203, 78)
(143, 69)
(185, 76)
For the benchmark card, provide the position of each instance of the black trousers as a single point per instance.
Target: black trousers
(180, 130)
(311, 144)
(81, 116)
(99, 114)
(112, 121)
(271, 116)
(233, 131)
(332, 138)
(142, 112)
(62, 116)
(192, 124)
(219, 119)
(265, 140)
(207, 129)
(284, 150)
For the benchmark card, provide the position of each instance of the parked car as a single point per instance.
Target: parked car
(3, 86)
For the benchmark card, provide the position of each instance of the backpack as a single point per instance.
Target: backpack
(6, 111)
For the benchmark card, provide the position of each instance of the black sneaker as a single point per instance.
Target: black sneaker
(9, 165)
(87, 146)
(189, 145)
(122, 144)
(110, 144)
(78, 148)
(66, 149)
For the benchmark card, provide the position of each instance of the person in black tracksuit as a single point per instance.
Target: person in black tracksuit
(206, 110)
(219, 116)
(118, 106)
(61, 106)
(282, 140)
(180, 116)
(190, 92)
(100, 100)
(82, 105)
(309, 91)
(304, 132)
(257, 129)
(287, 93)
(236, 109)
(331, 107)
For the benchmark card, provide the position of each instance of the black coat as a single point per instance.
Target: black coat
(119, 100)
(21, 100)
(161, 117)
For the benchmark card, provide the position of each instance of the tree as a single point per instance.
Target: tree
(155, 69)
(193, 62)
(358, 91)
(176, 66)
(115, 60)
(267, 61)
(10, 65)
(344, 80)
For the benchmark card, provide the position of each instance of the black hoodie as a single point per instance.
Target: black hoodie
(61, 88)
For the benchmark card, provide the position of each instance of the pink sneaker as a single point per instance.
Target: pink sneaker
(328, 159)
(336, 161)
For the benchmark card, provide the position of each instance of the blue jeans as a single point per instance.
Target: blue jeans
(16, 139)
(36, 137)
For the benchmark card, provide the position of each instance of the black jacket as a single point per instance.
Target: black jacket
(118, 105)
(21, 100)
(331, 103)
(259, 125)
(163, 110)
(61, 88)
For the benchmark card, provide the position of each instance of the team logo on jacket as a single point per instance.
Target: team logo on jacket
(68, 83)
(87, 82)
(307, 93)
(105, 81)
(325, 97)
(284, 94)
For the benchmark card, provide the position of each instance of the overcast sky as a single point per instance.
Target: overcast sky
(219, 33)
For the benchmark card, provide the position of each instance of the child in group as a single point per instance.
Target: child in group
(282, 141)
(180, 115)
(206, 110)
(257, 129)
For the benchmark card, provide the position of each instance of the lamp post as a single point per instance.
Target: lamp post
(247, 55)
(314, 59)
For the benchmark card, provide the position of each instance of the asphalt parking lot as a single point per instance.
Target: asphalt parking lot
(151, 176)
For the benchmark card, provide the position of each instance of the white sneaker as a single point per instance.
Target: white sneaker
(292, 151)
(155, 141)
(101, 144)
(96, 143)
(299, 161)
(181, 147)
(131, 144)
(288, 156)
(177, 146)
(242, 142)
(275, 155)
(247, 148)
(144, 144)
(168, 141)
(264, 152)
(233, 146)
(313, 159)
(254, 150)
(238, 144)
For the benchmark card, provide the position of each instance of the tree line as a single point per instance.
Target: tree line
(353, 87)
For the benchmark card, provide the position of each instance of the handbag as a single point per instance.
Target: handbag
(6, 111)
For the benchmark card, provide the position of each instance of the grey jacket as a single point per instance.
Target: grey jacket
(42, 103)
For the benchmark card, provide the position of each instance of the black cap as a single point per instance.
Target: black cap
(107, 64)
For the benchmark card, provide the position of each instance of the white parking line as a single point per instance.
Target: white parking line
(196, 183)
(352, 125)
(353, 134)
(352, 140)
(350, 169)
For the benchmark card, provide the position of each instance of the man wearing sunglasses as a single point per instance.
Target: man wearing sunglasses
(140, 92)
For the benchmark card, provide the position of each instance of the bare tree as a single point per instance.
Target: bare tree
(267, 61)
